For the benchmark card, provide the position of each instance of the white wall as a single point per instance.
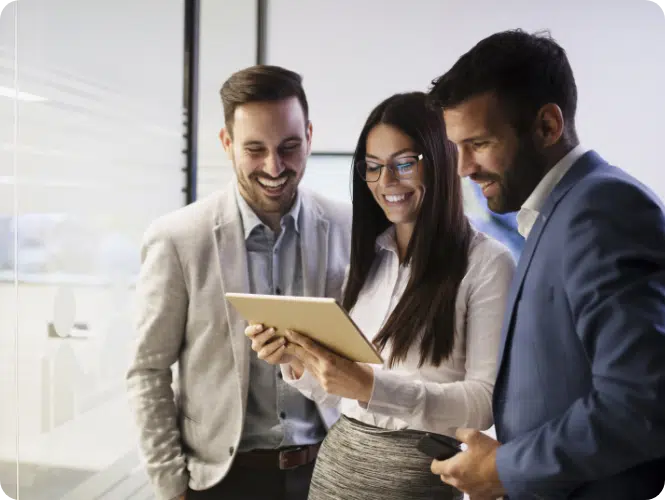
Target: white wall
(227, 44)
(355, 54)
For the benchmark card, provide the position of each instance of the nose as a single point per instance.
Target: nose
(466, 164)
(387, 177)
(273, 165)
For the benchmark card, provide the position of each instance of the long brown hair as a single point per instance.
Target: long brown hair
(438, 249)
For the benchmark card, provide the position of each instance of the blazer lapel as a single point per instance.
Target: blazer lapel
(313, 248)
(232, 267)
(518, 279)
(581, 167)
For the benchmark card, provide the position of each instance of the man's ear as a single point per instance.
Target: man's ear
(309, 137)
(549, 125)
(227, 140)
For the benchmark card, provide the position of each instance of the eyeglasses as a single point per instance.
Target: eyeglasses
(404, 167)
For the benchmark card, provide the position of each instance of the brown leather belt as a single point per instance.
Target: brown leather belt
(288, 458)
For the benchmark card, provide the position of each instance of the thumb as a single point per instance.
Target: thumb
(466, 435)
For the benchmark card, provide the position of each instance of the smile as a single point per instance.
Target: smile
(274, 184)
(488, 188)
(396, 199)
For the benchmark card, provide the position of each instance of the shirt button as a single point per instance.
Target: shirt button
(278, 291)
(231, 450)
(282, 415)
(279, 375)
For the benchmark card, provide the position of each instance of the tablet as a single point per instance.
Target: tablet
(320, 318)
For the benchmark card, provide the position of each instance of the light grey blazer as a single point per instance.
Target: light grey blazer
(189, 432)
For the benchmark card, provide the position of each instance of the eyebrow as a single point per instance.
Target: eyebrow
(396, 153)
(253, 142)
(483, 137)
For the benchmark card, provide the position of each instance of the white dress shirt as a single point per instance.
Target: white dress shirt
(458, 393)
(530, 210)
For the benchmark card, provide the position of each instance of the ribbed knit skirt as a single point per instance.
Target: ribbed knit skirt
(361, 462)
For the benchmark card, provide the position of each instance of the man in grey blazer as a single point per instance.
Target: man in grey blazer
(231, 428)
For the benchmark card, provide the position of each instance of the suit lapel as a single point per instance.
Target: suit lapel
(313, 248)
(232, 267)
(581, 168)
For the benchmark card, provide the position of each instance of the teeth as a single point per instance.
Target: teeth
(395, 198)
(272, 184)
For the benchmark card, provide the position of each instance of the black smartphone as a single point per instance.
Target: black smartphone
(439, 447)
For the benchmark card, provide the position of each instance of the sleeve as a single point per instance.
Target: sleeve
(433, 406)
(161, 315)
(309, 387)
(614, 272)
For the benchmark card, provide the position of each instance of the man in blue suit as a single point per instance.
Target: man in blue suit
(579, 401)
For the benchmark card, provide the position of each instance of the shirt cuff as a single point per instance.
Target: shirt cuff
(287, 373)
(306, 382)
(392, 395)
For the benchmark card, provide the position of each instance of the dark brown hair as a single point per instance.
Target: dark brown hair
(525, 71)
(438, 250)
(260, 83)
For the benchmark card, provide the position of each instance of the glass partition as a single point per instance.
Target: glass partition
(91, 96)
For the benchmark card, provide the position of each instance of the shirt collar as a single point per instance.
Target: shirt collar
(387, 240)
(530, 210)
(250, 220)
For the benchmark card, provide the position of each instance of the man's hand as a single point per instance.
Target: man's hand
(337, 375)
(473, 471)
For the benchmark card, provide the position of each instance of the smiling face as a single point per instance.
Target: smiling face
(400, 198)
(506, 166)
(269, 147)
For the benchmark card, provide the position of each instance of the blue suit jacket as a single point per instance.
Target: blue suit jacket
(579, 401)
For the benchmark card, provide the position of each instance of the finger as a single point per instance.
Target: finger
(269, 348)
(440, 467)
(450, 467)
(451, 481)
(276, 357)
(466, 435)
(308, 344)
(263, 338)
(308, 360)
(253, 329)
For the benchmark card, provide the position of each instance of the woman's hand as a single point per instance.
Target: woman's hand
(337, 375)
(271, 348)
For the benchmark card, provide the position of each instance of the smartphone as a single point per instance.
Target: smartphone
(439, 447)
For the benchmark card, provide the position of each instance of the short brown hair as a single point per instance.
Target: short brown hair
(260, 83)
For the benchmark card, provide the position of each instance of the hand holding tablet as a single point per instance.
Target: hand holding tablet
(321, 319)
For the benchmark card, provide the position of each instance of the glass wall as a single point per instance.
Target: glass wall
(91, 150)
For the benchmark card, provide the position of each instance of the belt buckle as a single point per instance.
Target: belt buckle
(283, 458)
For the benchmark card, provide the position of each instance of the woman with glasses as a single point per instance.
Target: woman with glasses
(428, 290)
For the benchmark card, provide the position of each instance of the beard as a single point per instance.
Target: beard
(518, 181)
(256, 190)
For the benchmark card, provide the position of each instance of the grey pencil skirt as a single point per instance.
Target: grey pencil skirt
(361, 462)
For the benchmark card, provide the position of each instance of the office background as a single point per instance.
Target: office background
(109, 117)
